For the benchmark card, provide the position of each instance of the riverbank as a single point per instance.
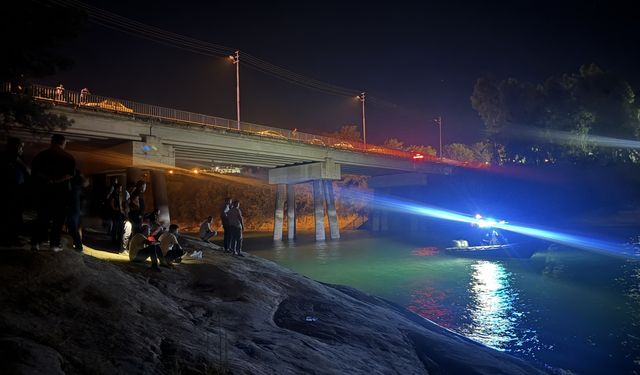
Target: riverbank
(97, 313)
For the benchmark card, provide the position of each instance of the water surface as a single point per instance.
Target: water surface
(564, 307)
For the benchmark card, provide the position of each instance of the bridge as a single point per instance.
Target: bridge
(142, 136)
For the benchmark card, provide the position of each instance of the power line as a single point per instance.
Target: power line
(138, 29)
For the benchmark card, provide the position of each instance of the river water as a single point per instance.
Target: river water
(565, 308)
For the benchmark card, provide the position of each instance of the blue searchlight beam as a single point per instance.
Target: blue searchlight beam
(571, 240)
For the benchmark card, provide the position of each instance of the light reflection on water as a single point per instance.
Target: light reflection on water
(492, 308)
(566, 308)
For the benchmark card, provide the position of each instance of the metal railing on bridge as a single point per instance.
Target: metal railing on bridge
(85, 100)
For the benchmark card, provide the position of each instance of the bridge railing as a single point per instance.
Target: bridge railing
(82, 100)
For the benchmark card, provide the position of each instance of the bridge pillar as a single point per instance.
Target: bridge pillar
(334, 229)
(279, 213)
(291, 212)
(318, 204)
(321, 173)
(160, 196)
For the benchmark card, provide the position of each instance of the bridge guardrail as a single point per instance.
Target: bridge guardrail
(97, 102)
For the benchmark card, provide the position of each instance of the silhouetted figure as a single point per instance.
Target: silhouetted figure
(206, 231)
(236, 226)
(52, 170)
(59, 93)
(136, 204)
(153, 219)
(16, 173)
(106, 206)
(494, 237)
(142, 248)
(225, 224)
(78, 183)
(84, 93)
(119, 211)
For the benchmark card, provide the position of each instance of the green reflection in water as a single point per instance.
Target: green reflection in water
(567, 308)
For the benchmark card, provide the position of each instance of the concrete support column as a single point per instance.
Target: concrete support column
(291, 212)
(278, 220)
(160, 196)
(318, 202)
(334, 229)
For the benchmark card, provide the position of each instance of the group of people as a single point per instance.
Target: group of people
(136, 234)
(232, 226)
(55, 184)
(60, 96)
(125, 211)
(57, 189)
(163, 249)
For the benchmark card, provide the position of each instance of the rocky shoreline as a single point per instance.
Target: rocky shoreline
(74, 313)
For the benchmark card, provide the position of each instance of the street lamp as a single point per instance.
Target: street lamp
(361, 98)
(438, 121)
(236, 61)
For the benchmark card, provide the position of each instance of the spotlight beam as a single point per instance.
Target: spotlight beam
(568, 239)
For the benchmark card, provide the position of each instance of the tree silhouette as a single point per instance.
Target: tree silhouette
(30, 43)
(528, 119)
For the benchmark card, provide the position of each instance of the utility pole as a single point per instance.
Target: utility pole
(361, 97)
(438, 121)
(236, 61)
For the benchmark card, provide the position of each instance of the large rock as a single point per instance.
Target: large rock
(73, 313)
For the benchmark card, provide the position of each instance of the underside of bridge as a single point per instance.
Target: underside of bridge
(123, 146)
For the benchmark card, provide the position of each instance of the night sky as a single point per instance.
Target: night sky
(420, 60)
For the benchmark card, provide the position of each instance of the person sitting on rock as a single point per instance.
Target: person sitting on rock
(140, 248)
(171, 249)
(206, 231)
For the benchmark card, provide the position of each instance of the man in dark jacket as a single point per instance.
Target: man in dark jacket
(225, 223)
(52, 170)
(236, 226)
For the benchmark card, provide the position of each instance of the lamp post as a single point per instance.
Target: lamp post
(236, 61)
(438, 121)
(361, 98)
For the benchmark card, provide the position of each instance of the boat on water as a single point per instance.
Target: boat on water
(503, 251)
(493, 243)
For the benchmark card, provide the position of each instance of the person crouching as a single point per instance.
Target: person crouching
(141, 248)
(206, 230)
(169, 246)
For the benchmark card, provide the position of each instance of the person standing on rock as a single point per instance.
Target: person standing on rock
(236, 226)
(225, 224)
(52, 170)
(78, 183)
(136, 204)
